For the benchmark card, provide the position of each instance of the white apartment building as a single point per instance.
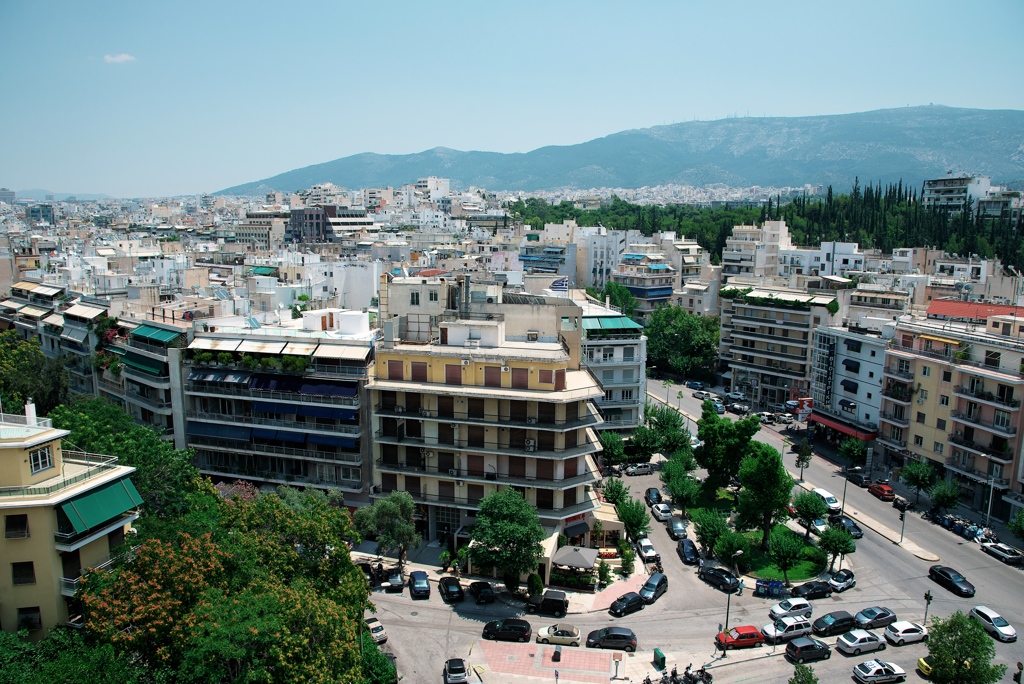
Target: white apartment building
(753, 251)
(953, 191)
(846, 380)
(646, 273)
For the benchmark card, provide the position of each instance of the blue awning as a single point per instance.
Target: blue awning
(272, 407)
(327, 440)
(289, 436)
(326, 412)
(263, 433)
(279, 383)
(241, 434)
(330, 389)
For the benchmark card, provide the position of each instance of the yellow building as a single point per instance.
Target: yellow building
(63, 511)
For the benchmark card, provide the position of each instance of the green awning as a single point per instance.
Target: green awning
(100, 505)
(158, 334)
(114, 349)
(264, 270)
(142, 363)
(610, 323)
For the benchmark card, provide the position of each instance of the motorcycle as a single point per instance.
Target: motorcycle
(705, 676)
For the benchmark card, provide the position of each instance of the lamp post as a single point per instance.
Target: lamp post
(854, 469)
(728, 602)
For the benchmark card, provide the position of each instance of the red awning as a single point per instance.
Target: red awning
(841, 427)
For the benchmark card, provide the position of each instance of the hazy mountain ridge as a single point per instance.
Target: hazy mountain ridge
(911, 143)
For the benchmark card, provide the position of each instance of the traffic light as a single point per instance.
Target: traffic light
(1016, 675)
(901, 515)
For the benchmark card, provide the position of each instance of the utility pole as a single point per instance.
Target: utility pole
(903, 519)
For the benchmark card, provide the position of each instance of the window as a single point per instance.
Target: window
(432, 295)
(1002, 419)
(926, 371)
(918, 440)
(869, 395)
(16, 526)
(419, 370)
(947, 376)
(23, 573)
(921, 418)
(938, 447)
(627, 395)
(943, 400)
(607, 376)
(871, 374)
(547, 377)
(609, 395)
(923, 395)
(453, 374)
(627, 353)
(492, 376)
(992, 359)
(608, 354)
(30, 618)
(872, 352)
(414, 298)
(40, 459)
(940, 423)
(520, 378)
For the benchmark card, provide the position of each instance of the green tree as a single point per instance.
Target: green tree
(645, 442)
(803, 674)
(612, 448)
(764, 499)
(854, 451)
(390, 521)
(26, 372)
(945, 494)
(962, 652)
(809, 507)
(728, 548)
(785, 551)
(709, 527)
(508, 535)
(684, 489)
(918, 475)
(615, 492)
(836, 541)
(620, 297)
(634, 516)
(63, 656)
(804, 452)
(667, 423)
(377, 669)
(725, 444)
(1016, 525)
(683, 342)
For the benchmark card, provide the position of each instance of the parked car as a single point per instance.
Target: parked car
(450, 589)
(736, 396)
(701, 394)
(812, 590)
(836, 622)
(509, 629)
(639, 469)
(925, 665)
(1004, 552)
(613, 637)
(818, 526)
(951, 579)
(656, 585)
(693, 384)
(661, 512)
(395, 583)
(875, 616)
(739, 409)
(677, 528)
(766, 417)
(744, 636)
(905, 632)
(455, 671)
(806, 650)
(831, 501)
(563, 634)
(843, 580)
(883, 491)
(719, 408)
(858, 641)
(875, 671)
(550, 602)
(793, 607)
(687, 551)
(847, 522)
(784, 418)
(859, 479)
(785, 629)
(645, 549)
(994, 623)
(652, 496)
(719, 577)
(419, 586)
(482, 592)
(627, 603)
(377, 631)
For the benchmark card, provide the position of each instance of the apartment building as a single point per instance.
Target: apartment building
(63, 511)
(753, 251)
(846, 381)
(953, 192)
(645, 272)
(263, 228)
(952, 396)
(615, 353)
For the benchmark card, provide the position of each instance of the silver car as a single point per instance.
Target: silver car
(994, 623)
(859, 641)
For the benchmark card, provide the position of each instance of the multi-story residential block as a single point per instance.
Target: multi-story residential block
(846, 381)
(615, 352)
(540, 257)
(63, 511)
(753, 251)
(954, 191)
(263, 228)
(645, 272)
(600, 252)
(326, 224)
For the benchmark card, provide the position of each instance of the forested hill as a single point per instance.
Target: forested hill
(875, 216)
(910, 143)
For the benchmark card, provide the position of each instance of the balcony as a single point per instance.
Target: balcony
(70, 540)
(901, 396)
(773, 322)
(351, 458)
(277, 476)
(589, 504)
(112, 387)
(778, 339)
(611, 361)
(591, 475)
(139, 398)
(331, 428)
(69, 585)
(491, 419)
(491, 447)
(228, 390)
(766, 369)
(981, 422)
(990, 451)
(892, 441)
(977, 475)
(902, 374)
(86, 466)
(902, 421)
(986, 398)
(162, 381)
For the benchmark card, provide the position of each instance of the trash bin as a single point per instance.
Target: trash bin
(556, 657)
(659, 659)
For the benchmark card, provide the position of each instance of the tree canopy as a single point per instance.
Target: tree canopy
(809, 507)
(725, 444)
(682, 342)
(918, 475)
(507, 535)
(836, 541)
(634, 516)
(962, 652)
(390, 521)
(26, 372)
(766, 489)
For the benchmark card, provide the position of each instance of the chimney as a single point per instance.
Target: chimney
(30, 412)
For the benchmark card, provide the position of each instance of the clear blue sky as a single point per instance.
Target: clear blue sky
(158, 98)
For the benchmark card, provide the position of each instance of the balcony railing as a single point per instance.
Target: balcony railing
(589, 504)
(976, 474)
(113, 387)
(901, 396)
(772, 322)
(898, 443)
(149, 401)
(18, 419)
(484, 446)
(790, 341)
(130, 372)
(244, 391)
(982, 395)
(763, 368)
(989, 451)
(276, 476)
(339, 428)
(69, 537)
(95, 464)
(246, 447)
(490, 475)
(987, 424)
(903, 421)
(492, 419)
(610, 362)
(906, 375)
(69, 585)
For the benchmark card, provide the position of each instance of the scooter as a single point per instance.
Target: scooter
(705, 676)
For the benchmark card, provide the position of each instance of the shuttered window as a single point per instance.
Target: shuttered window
(520, 378)
(418, 371)
(395, 370)
(492, 376)
(559, 379)
(453, 373)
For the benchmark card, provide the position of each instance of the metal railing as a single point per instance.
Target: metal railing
(273, 475)
(987, 451)
(893, 418)
(149, 401)
(72, 536)
(484, 445)
(18, 419)
(489, 476)
(143, 375)
(975, 473)
(906, 375)
(95, 464)
(982, 395)
(428, 497)
(901, 443)
(763, 368)
(247, 447)
(69, 585)
(339, 428)
(896, 395)
(987, 424)
(150, 347)
(244, 391)
(789, 341)
(115, 387)
(491, 419)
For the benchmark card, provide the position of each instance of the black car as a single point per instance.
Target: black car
(482, 592)
(627, 603)
(451, 590)
(551, 602)
(395, 582)
(951, 579)
(812, 590)
(805, 650)
(652, 496)
(873, 617)
(676, 528)
(848, 524)
(509, 629)
(687, 551)
(838, 622)
(419, 585)
(693, 384)
(719, 577)
(859, 479)
(613, 637)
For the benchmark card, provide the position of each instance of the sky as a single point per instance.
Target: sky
(142, 99)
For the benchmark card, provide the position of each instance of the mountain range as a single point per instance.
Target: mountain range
(910, 143)
(40, 195)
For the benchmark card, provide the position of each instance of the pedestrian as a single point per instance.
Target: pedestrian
(700, 565)
(740, 592)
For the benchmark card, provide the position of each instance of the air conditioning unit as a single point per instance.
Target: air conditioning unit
(453, 425)
(399, 409)
(453, 472)
(531, 421)
(530, 447)
(530, 443)
(465, 362)
(459, 483)
(424, 412)
(505, 369)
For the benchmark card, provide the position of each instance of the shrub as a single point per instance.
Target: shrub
(628, 558)
(249, 362)
(534, 585)
(727, 546)
(445, 559)
(815, 555)
(604, 573)
(204, 357)
(225, 358)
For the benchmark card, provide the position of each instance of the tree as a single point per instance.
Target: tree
(667, 423)
(725, 444)
(621, 298)
(785, 551)
(634, 516)
(854, 450)
(644, 442)
(803, 674)
(804, 451)
(962, 652)
(709, 527)
(26, 372)
(768, 485)
(615, 492)
(612, 448)
(390, 521)
(945, 494)
(508, 535)
(684, 490)
(377, 668)
(836, 541)
(63, 656)
(1016, 525)
(683, 342)
(729, 546)
(809, 507)
(918, 475)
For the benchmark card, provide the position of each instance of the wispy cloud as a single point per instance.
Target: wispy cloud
(119, 58)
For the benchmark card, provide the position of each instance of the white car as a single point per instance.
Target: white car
(562, 633)
(701, 394)
(661, 512)
(831, 501)
(877, 671)
(794, 607)
(858, 641)
(646, 550)
(736, 396)
(994, 623)
(842, 580)
(905, 632)
(784, 418)
(818, 526)
(1004, 552)
(377, 632)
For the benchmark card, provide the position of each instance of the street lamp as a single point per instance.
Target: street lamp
(728, 600)
(854, 469)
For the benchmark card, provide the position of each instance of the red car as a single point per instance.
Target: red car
(882, 491)
(745, 636)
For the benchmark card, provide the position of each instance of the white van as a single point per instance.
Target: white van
(832, 502)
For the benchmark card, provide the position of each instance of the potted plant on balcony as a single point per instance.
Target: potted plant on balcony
(205, 358)
(226, 359)
(249, 362)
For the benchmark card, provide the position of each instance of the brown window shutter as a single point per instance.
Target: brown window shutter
(520, 378)
(419, 371)
(453, 373)
(395, 370)
(559, 379)
(492, 376)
